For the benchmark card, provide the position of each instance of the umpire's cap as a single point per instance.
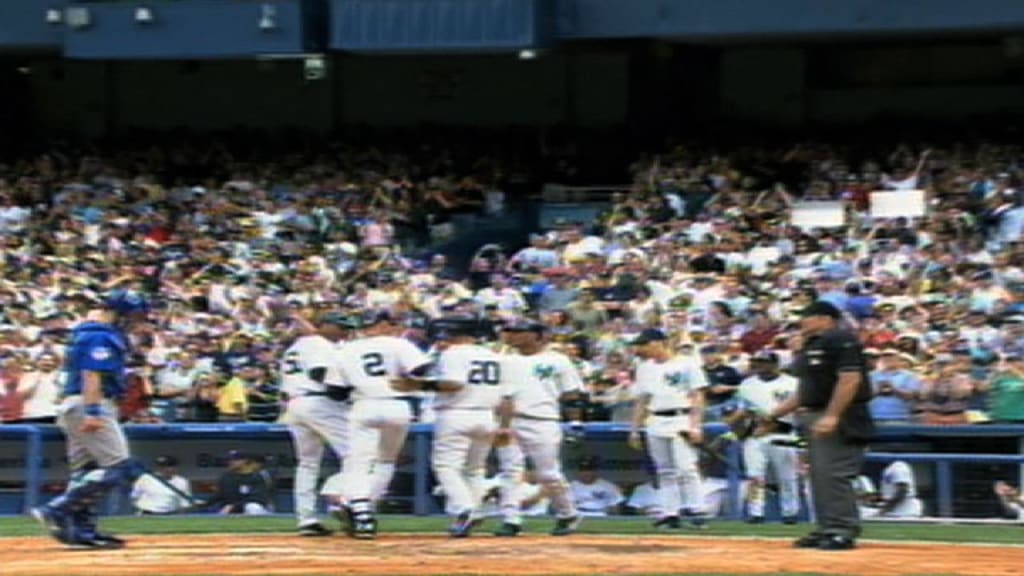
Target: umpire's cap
(125, 302)
(821, 308)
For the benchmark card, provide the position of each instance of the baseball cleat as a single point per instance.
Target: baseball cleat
(667, 523)
(695, 520)
(566, 526)
(507, 530)
(461, 526)
(103, 542)
(53, 521)
(364, 526)
(314, 530)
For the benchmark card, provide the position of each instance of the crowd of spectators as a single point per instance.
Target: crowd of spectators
(699, 245)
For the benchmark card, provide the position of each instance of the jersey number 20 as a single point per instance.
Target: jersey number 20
(484, 372)
(373, 364)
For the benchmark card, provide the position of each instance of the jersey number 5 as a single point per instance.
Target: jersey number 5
(484, 372)
(291, 363)
(373, 364)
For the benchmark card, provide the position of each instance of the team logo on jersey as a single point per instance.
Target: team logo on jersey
(544, 371)
(101, 353)
(675, 379)
(780, 395)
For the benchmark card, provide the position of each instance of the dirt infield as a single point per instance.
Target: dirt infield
(424, 555)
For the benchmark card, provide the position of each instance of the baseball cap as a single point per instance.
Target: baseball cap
(166, 461)
(589, 463)
(821, 308)
(523, 325)
(647, 336)
(766, 356)
(338, 319)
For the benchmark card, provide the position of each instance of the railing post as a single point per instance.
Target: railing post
(732, 456)
(944, 486)
(421, 455)
(33, 467)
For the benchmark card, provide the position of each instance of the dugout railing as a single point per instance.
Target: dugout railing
(34, 439)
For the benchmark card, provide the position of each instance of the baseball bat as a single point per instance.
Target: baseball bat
(193, 503)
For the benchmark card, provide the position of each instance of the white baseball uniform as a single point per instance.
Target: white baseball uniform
(762, 397)
(465, 423)
(669, 386)
(380, 416)
(899, 472)
(537, 383)
(312, 418)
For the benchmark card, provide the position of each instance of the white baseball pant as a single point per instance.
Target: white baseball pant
(758, 454)
(676, 461)
(462, 441)
(377, 430)
(541, 442)
(313, 421)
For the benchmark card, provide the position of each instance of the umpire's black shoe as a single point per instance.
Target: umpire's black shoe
(508, 530)
(314, 530)
(755, 519)
(667, 523)
(812, 540)
(833, 542)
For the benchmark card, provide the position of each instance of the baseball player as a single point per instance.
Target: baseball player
(317, 411)
(380, 416)
(669, 407)
(469, 387)
(757, 396)
(98, 455)
(540, 382)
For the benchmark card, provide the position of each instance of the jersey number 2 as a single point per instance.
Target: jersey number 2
(484, 372)
(291, 363)
(373, 364)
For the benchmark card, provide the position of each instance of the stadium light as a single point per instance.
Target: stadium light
(54, 16)
(144, 15)
(268, 17)
(527, 54)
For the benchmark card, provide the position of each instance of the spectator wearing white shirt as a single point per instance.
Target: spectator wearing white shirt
(594, 496)
(150, 496)
(40, 389)
(501, 295)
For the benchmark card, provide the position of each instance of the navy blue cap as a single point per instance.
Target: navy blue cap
(765, 356)
(647, 336)
(821, 308)
(523, 325)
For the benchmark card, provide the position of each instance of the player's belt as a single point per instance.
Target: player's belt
(673, 412)
(528, 417)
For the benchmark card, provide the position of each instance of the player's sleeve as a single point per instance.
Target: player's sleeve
(849, 353)
(696, 377)
(410, 358)
(451, 367)
(99, 354)
(570, 380)
(641, 375)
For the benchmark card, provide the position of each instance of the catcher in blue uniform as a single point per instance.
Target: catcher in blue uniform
(98, 456)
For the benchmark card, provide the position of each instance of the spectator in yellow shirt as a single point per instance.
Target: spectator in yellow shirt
(231, 403)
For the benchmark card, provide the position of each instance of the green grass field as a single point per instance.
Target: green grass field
(1001, 534)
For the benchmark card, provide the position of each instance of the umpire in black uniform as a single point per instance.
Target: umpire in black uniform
(832, 409)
